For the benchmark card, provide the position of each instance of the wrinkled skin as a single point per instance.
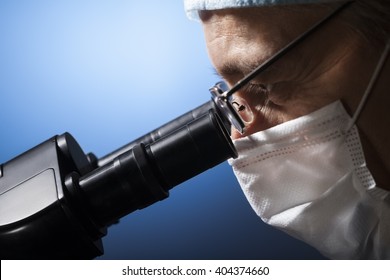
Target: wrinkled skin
(334, 63)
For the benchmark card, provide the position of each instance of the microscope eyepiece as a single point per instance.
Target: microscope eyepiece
(145, 174)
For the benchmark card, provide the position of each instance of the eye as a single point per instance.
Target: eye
(255, 94)
(277, 94)
(257, 88)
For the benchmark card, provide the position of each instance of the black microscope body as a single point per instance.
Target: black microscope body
(56, 202)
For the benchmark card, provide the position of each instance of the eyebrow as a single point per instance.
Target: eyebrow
(241, 68)
(236, 67)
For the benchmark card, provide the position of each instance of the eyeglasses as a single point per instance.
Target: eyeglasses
(222, 95)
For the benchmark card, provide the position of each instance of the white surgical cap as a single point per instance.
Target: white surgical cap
(192, 7)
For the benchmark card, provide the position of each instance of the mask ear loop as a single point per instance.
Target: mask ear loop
(374, 78)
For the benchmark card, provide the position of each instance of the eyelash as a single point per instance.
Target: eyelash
(256, 89)
(264, 100)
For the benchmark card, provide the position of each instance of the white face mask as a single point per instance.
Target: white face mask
(308, 177)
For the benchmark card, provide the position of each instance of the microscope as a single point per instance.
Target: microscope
(56, 202)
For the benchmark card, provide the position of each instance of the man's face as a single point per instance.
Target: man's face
(308, 78)
(334, 63)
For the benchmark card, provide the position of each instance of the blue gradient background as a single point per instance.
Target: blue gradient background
(108, 72)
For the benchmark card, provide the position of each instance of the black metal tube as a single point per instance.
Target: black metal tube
(145, 173)
(165, 130)
(189, 151)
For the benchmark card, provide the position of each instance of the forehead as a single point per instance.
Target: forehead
(192, 7)
(287, 15)
(239, 39)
